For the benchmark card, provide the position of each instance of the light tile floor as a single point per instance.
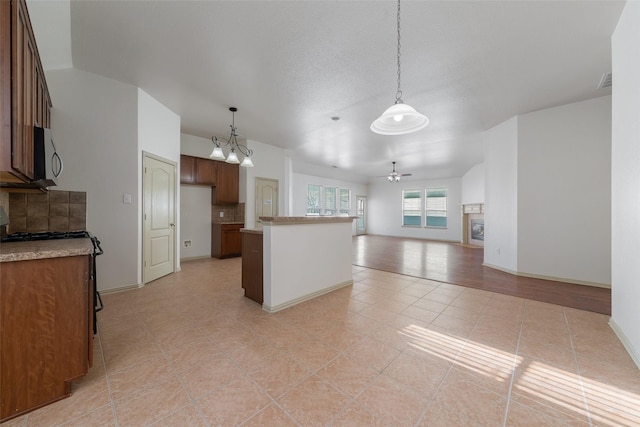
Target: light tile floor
(391, 350)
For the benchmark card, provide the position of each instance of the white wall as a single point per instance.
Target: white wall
(94, 123)
(385, 209)
(300, 188)
(270, 162)
(158, 134)
(564, 192)
(625, 268)
(501, 196)
(195, 221)
(195, 204)
(473, 185)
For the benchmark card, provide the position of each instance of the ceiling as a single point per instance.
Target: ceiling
(289, 66)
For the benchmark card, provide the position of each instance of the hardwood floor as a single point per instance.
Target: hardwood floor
(462, 265)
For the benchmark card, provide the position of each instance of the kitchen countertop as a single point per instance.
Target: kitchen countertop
(251, 230)
(311, 219)
(40, 249)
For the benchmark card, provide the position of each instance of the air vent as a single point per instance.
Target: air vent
(605, 81)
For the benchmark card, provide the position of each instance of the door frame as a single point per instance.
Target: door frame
(147, 155)
(358, 198)
(258, 224)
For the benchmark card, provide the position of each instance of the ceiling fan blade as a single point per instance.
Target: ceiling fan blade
(405, 174)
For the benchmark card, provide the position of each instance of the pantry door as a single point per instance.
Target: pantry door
(266, 199)
(159, 213)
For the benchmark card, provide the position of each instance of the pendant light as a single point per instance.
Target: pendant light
(232, 142)
(400, 118)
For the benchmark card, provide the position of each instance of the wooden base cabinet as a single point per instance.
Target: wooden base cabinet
(46, 330)
(252, 268)
(226, 241)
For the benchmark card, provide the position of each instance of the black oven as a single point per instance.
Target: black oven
(56, 235)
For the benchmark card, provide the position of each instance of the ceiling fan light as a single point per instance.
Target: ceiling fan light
(410, 120)
(233, 158)
(217, 153)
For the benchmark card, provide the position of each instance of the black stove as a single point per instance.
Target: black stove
(45, 235)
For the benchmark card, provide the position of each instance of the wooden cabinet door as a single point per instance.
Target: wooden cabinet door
(231, 241)
(227, 184)
(45, 317)
(24, 57)
(206, 171)
(252, 266)
(187, 170)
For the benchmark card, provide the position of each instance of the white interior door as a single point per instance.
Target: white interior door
(266, 198)
(159, 188)
(361, 223)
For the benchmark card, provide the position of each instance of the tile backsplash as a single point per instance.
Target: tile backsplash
(52, 211)
(231, 213)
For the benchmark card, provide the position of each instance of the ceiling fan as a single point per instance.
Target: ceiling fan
(395, 176)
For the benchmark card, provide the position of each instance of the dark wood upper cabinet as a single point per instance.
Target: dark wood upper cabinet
(206, 171)
(196, 170)
(223, 177)
(23, 89)
(187, 170)
(227, 184)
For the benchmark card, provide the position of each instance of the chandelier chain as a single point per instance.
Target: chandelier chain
(399, 92)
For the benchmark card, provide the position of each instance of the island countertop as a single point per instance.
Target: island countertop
(312, 219)
(40, 249)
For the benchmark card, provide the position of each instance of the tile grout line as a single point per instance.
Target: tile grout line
(575, 358)
(106, 376)
(515, 359)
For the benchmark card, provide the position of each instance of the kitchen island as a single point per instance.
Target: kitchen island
(303, 257)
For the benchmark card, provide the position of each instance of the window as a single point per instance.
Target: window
(345, 201)
(411, 207)
(323, 200)
(313, 199)
(436, 207)
(329, 201)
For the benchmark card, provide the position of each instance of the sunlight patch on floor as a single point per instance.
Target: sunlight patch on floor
(478, 358)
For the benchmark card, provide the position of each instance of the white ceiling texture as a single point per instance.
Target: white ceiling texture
(290, 66)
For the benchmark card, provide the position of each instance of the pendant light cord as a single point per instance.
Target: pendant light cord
(399, 92)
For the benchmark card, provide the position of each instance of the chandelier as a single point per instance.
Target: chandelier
(400, 118)
(233, 145)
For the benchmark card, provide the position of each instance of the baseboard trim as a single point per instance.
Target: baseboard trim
(193, 258)
(304, 298)
(121, 289)
(555, 279)
(633, 352)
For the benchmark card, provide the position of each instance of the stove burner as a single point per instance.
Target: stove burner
(45, 235)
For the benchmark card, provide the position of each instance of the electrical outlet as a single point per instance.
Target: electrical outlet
(221, 214)
(186, 243)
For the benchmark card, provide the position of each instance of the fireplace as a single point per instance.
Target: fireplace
(473, 224)
(477, 229)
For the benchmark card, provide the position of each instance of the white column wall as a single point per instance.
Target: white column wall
(269, 163)
(473, 185)
(625, 180)
(94, 123)
(501, 196)
(159, 134)
(564, 188)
